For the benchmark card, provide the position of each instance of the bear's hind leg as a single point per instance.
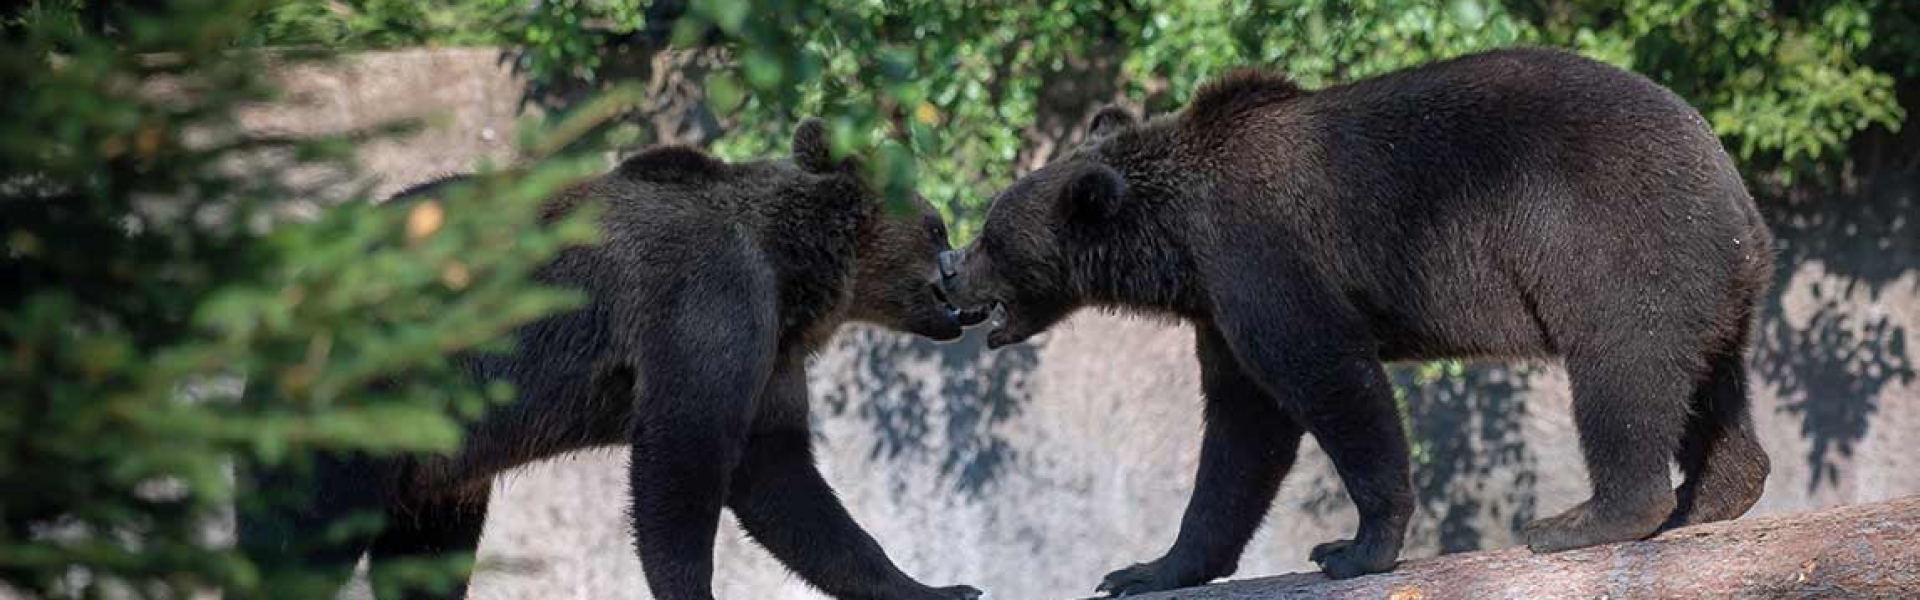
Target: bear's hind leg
(1629, 405)
(429, 529)
(1725, 466)
(283, 527)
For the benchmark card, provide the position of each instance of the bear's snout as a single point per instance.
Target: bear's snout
(948, 291)
(949, 284)
(950, 263)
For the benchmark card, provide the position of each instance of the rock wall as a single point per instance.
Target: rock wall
(1032, 471)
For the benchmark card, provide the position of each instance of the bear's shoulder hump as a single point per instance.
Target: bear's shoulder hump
(1228, 95)
(671, 164)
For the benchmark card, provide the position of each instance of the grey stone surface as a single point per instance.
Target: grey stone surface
(469, 100)
(1032, 471)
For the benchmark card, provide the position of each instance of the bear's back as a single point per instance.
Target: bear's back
(1462, 186)
(1486, 137)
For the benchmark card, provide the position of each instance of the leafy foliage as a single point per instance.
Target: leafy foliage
(378, 23)
(946, 93)
(563, 39)
(957, 83)
(1782, 82)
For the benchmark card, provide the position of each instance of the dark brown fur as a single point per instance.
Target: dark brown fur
(712, 285)
(1221, 102)
(1515, 203)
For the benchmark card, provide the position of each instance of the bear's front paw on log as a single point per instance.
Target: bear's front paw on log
(951, 592)
(1146, 577)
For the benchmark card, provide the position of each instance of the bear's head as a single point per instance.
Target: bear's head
(1061, 237)
(897, 273)
(897, 282)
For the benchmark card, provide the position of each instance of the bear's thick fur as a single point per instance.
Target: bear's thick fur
(1513, 203)
(712, 285)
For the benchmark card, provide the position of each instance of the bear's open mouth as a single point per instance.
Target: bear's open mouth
(1002, 328)
(966, 317)
(963, 317)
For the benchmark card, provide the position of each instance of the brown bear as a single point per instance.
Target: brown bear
(711, 287)
(1512, 203)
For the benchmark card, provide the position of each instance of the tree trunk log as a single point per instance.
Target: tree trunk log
(1864, 551)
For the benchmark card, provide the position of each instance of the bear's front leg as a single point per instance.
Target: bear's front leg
(683, 456)
(1319, 363)
(700, 365)
(782, 501)
(1351, 413)
(1248, 447)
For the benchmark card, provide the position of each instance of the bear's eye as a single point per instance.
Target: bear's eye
(938, 229)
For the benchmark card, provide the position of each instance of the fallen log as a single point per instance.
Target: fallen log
(1864, 551)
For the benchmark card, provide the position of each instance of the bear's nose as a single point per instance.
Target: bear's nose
(950, 263)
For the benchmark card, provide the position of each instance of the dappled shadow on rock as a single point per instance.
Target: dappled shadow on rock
(937, 403)
(1827, 344)
(1472, 466)
(1473, 471)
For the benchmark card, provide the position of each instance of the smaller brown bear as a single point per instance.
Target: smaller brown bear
(714, 283)
(1514, 203)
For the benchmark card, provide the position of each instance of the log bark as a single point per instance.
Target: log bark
(1863, 551)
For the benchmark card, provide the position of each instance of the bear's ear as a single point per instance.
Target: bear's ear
(670, 164)
(812, 150)
(1109, 120)
(1095, 194)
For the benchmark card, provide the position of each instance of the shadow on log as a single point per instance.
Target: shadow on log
(1864, 551)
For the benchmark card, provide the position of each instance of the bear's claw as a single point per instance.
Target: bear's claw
(1345, 559)
(1140, 578)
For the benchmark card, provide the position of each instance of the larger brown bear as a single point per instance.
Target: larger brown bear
(1514, 203)
(713, 284)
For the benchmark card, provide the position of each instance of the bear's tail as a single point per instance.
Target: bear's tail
(1725, 466)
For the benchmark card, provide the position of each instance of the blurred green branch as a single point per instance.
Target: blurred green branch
(151, 273)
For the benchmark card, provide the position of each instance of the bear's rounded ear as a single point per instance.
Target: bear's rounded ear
(811, 148)
(1095, 194)
(1110, 119)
